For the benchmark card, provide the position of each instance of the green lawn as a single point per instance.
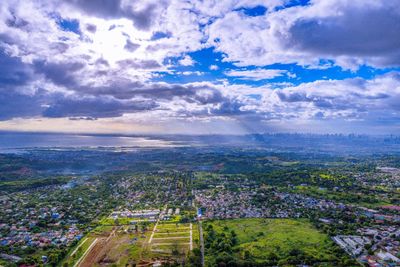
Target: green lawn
(268, 240)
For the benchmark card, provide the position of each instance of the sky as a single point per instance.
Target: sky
(200, 67)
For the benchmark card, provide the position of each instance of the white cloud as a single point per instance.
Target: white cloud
(109, 64)
(256, 74)
(213, 67)
(351, 33)
(187, 73)
(348, 99)
(187, 61)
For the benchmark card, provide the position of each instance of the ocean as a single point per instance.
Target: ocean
(10, 141)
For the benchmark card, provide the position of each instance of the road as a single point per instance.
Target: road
(76, 249)
(154, 230)
(191, 238)
(201, 243)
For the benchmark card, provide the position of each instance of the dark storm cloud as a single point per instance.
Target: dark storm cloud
(126, 89)
(142, 16)
(64, 74)
(91, 28)
(59, 47)
(102, 8)
(102, 62)
(358, 31)
(14, 75)
(325, 102)
(18, 97)
(94, 107)
(122, 90)
(201, 94)
(131, 47)
(13, 72)
(139, 64)
(16, 22)
(16, 105)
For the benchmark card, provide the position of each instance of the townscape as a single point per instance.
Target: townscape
(196, 217)
(200, 133)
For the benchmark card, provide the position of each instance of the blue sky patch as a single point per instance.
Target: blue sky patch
(69, 25)
(295, 74)
(253, 12)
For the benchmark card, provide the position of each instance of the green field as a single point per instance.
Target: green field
(170, 237)
(268, 242)
(361, 199)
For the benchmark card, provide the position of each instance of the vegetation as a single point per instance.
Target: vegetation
(269, 242)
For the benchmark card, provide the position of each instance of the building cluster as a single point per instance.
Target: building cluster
(143, 214)
(50, 216)
(387, 177)
(24, 224)
(225, 204)
(377, 245)
(385, 214)
(353, 245)
(250, 203)
(385, 245)
(144, 192)
(23, 236)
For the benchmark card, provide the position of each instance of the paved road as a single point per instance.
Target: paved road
(201, 243)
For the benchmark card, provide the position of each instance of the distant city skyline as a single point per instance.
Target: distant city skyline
(200, 67)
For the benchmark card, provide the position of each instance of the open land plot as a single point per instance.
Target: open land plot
(110, 246)
(126, 246)
(172, 234)
(268, 241)
(173, 239)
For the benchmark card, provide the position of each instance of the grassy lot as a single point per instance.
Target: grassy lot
(268, 241)
(121, 221)
(345, 197)
(172, 240)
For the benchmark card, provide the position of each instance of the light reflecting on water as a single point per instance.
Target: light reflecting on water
(9, 141)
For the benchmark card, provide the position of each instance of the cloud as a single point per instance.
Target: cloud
(349, 99)
(351, 33)
(18, 95)
(19, 105)
(139, 64)
(213, 67)
(64, 73)
(187, 61)
(130, 46)
(111, 59)
(141, 13)
(94, 107)
(256, 74)
(369, 32)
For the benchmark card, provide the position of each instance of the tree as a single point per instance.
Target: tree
(246, 255)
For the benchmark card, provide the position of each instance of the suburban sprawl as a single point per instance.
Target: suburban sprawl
(198, 207)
